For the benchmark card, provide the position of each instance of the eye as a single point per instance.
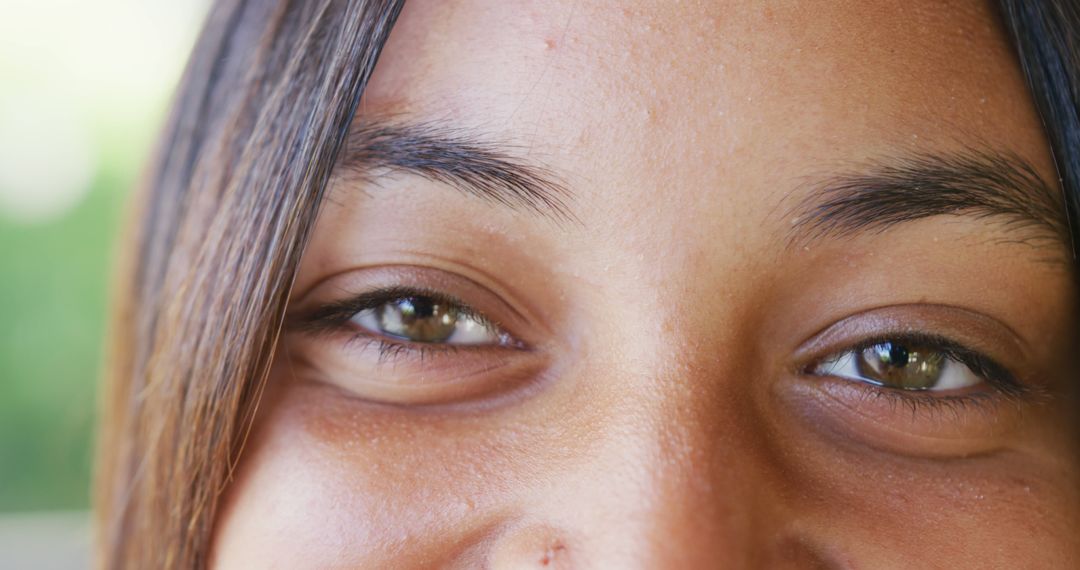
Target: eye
(429, 320)
(903, 366)
(413, 336)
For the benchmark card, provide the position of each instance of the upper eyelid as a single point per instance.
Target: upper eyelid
(411, 272)
(339, 311)
(961, 327)
(483, 292)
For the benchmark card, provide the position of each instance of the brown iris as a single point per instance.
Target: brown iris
(418, 319)
(898, 366)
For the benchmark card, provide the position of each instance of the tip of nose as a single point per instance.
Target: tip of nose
(541, 545)
(553, 554)
(534, 546)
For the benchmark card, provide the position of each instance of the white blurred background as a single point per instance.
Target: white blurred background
(83, 89)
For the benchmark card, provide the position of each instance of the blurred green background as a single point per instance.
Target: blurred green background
(83, 89)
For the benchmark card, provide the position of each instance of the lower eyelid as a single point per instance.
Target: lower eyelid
(361, 343)
(983, 399)
(381, 370)
(389, 349)
(910, 423)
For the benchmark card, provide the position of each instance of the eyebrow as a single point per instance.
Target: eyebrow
(460, 158)
(979, 183)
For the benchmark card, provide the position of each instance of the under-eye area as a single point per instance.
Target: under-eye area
(925, 379)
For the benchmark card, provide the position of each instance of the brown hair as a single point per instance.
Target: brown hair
(262, 109)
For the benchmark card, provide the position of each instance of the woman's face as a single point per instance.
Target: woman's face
(677, 285)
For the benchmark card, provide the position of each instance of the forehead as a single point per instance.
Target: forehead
(735, 100)
(883, 68)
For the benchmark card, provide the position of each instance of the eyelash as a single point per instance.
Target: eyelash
(390, 351)
(1003, 383)
(922, 402)
(335, 318)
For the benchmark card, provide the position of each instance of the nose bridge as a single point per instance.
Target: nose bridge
(698, 514)
(676, 470)
(685, 496)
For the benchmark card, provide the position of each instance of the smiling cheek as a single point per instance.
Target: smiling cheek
(884, 511)
(330, 481)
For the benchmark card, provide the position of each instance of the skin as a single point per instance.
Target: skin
(662, 416)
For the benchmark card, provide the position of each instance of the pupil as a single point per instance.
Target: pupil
(418, 307)
(898, 366)
(418, 319)
(896, 355)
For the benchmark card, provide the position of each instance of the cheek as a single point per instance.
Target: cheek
(955, 519)
(328, 481)
(288, 505)
(891, 511)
